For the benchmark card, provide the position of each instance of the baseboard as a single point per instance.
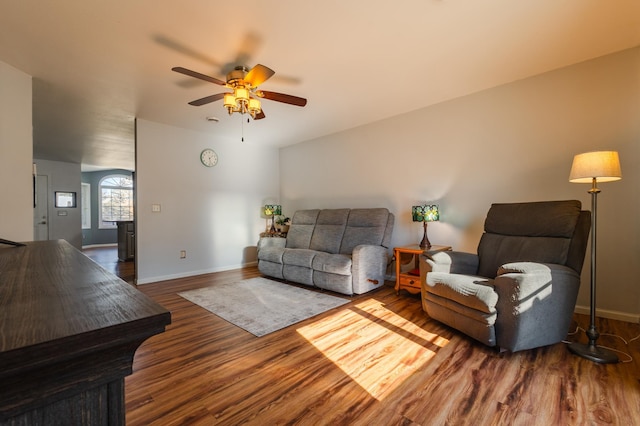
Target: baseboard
(604, 313)
(192, 273)
(100, 245)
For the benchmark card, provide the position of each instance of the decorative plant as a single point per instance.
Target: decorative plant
(283, 220)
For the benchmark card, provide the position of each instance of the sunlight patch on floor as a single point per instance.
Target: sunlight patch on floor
(378, 348)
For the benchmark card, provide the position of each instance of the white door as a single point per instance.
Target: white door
(41, 211)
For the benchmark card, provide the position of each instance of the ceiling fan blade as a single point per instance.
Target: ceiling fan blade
(281, 97)
(258, 75)
(259, 116)
(248, 48)
(207, 99)
(198, 75)
(185, 50)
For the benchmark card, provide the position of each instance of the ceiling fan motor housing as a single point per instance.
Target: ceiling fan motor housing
(236, 77)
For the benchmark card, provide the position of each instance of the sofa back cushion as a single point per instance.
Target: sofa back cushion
(329, 230)
(301, 229)
(527, 232)
(366, 226)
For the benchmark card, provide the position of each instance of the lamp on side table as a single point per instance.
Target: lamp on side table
(272, 210)
(425, 213)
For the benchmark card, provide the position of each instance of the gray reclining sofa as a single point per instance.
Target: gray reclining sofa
(342, 250)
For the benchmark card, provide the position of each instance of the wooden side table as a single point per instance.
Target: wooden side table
(273, 234)
(411, 281)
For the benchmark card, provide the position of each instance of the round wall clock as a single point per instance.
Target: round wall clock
(209, 157)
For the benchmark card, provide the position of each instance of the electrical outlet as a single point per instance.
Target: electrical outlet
(183, 254)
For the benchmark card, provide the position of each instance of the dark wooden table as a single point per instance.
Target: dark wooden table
(68, 333)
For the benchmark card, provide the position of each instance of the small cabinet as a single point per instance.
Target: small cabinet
(410, 281)
(126, 240)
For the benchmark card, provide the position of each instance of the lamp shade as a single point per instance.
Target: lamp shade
(604, 166)
(229, 100)
(272, 210)
(254, 106)
(242, 94)
(425, 213)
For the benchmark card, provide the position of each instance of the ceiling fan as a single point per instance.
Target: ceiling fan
(245, 95)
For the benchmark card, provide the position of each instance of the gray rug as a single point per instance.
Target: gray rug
(262, 306)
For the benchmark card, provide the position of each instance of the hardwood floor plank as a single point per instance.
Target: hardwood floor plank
(379, 360)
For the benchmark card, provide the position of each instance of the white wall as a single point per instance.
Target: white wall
(512, 143)
(212, 213)
(16, 152)
(64, 223)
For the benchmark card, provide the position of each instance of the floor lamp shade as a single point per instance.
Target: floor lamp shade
(594, 167)
(604, 166)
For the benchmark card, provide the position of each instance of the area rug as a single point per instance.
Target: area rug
(262, 306)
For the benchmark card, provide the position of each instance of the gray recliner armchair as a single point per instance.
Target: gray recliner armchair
(519, 292)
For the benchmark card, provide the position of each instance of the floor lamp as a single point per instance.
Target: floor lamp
(594, 167)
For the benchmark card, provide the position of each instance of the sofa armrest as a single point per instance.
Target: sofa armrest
(454, 262)
(369, 265)
(271, 242)
(535, 304)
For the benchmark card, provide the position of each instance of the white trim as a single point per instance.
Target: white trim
(604, 313)
(192, 273)
(101, 245)
(108, 224)
(85, 204)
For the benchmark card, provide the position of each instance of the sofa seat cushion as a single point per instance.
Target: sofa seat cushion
(333, 263)
(271, 254)
(471, 291)
(299, 257)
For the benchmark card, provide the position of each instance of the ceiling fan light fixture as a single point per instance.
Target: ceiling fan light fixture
(254, 106)
(229, 100)
(244, 83)
(242, 94)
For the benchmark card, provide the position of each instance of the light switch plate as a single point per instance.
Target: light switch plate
(155, 208)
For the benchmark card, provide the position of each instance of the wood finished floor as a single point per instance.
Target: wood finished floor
(107, 257)
(379, 360)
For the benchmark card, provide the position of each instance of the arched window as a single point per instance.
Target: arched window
(116, 200)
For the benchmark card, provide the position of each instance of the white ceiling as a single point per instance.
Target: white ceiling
(96, 65)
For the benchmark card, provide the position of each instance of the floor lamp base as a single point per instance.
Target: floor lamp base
(593, 353)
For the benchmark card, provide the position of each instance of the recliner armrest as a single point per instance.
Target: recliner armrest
(522, 281)
(271, 242)
(454, 262)
(535, 303)
(526, 281)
